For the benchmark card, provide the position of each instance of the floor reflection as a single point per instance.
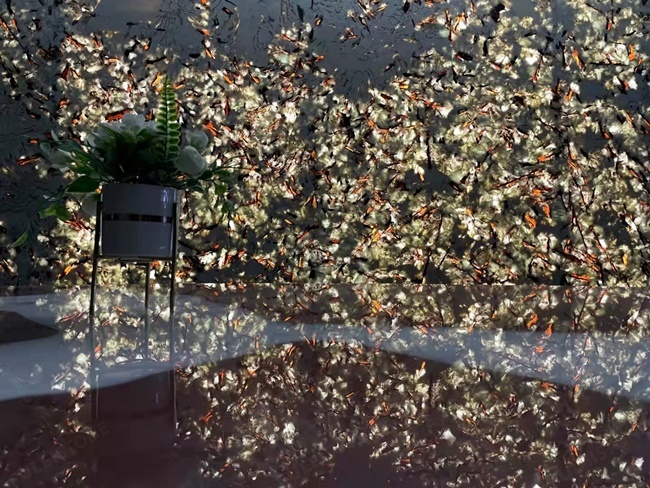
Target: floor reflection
(321, 386)
(135, 421)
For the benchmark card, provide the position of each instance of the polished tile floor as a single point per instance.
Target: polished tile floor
(330, 385)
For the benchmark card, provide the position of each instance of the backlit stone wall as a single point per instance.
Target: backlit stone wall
(435, 141)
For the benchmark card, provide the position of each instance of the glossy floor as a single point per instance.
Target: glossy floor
(329, 385)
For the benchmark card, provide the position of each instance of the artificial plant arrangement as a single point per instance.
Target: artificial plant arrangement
(133, 150)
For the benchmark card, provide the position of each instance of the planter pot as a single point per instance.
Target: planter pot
(137, 221)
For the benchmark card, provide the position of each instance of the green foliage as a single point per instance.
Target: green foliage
(20, 241)
(57, 210)
(134, 150)
(125, 156)
(83, 184)
(167, 146)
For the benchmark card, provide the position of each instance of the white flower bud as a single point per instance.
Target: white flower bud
(190, 162)
(89, 204)
(198, 139)
(57, 158)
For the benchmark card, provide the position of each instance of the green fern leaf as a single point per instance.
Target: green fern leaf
(168, 145)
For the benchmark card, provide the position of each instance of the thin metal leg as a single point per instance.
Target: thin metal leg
(91, 315)
(172, 301)
(172, 294)
(146, 311)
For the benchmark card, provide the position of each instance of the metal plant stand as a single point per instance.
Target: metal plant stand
(124, 404)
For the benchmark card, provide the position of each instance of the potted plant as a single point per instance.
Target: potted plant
(136, 168)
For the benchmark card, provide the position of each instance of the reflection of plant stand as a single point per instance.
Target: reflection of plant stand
(133, 403)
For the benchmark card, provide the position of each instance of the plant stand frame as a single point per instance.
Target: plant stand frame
(146, 261)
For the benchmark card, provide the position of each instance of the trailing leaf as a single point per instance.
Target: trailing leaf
(83, 184)
(220, 189)
(167, 146)
(20, 241)
(57, 210)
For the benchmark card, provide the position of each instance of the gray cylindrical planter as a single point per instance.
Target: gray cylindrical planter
(137, 221)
